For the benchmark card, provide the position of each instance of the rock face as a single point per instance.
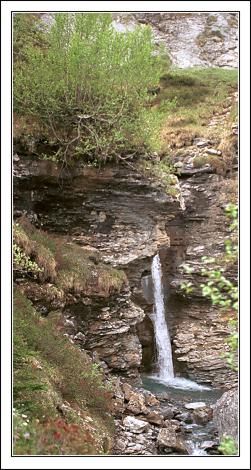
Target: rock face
(109, 331)
(97, 209)
(226, 413)
(127, 218)
(120, 214)
(196, 39)
(198, 330)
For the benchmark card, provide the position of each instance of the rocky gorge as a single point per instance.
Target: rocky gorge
(123, 219)
(95, 231)
(126, 218)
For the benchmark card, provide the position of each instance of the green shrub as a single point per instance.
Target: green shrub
(88, 87)
(228, 446)
(29, 31)
(22, 262)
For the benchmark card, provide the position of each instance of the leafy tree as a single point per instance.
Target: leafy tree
(28, 30)
(87, 88)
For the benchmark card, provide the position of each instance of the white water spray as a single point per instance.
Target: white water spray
(165, 372)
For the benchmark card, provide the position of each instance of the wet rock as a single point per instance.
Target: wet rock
(185, 417)
(135, 425)
(168, 412)
(225, 414)
(202, 415)
(154, 417)
(206, 445)
(137, 219)
(167, 440)
(163, 396)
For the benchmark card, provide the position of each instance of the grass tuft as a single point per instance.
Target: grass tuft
(68, 266)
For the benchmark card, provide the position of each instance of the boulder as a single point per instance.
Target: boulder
(176, 425)
(206, 445)
(118, 392)
(151, 400)
(202, 143)
(120, 445)
(225, 414)
(16, 158)
(213, 152)
(168, 412)
(127, 390)
(202, 415)
(136, 404)
(156, 418)
(167, 440)
(134, 425)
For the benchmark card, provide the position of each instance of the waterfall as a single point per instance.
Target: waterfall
(165, 372)
(163, 343)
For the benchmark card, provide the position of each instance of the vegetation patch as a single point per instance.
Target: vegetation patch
(89, 103)
(216, 162)
(69, 266)
(195, 96)
(56, 386)
(30, 246)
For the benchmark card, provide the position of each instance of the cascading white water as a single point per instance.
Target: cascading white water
(163, 343)
(193, 448)
(165, 373)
